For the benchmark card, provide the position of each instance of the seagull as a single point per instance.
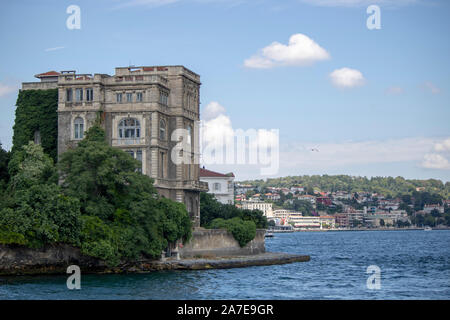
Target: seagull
(315, 149)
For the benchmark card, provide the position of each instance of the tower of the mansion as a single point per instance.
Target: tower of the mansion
(140, 108)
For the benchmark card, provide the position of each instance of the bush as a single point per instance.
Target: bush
(242, 231)
(211, 209)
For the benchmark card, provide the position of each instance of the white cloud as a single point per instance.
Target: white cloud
(217, 131)
(212, 110)
(358, 3)
(330, 156)
(431, 87)
(6, 89)
(435, 161)
(222, 145)
(53, 49)
(395, 90)
(301, 51)
(347, 78)
(442, 146)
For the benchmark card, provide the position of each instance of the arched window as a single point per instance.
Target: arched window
(162, 130)
(78, 124)
(129, 128)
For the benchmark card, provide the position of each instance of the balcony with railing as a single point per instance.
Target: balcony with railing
(128, 142)
(74, 77)
(128, 79)
(196, 185)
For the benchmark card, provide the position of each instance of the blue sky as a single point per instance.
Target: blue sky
(392, 120)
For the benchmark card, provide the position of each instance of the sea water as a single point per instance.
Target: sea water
(412, 265)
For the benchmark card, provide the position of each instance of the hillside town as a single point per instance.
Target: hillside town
(320, 210)
(305, 208)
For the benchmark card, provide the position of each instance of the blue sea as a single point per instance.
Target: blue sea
(412, 264)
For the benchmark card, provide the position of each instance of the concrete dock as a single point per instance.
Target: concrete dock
(263, 259)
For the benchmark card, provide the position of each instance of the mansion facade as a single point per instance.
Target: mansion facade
(139, 107)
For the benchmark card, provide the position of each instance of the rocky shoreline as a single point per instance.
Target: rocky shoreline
(18, 260)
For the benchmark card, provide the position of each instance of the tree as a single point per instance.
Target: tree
(386, 186)
(429, 220)
(406, 199)
(435, 213)
(211, 209)
(37, 213)
(241, 223)
(407, 208)
(447, 219)
(31, 166)
(303, 206)
(242, 231)
(4, 174)
(4, 160)
(103, 205)
(118, 203)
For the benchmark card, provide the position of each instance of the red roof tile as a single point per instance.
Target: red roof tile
(47, 74)
(209, 173)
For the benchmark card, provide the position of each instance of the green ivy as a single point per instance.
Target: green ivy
(37, 110)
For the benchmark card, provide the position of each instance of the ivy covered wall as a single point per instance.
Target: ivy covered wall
(37, 112)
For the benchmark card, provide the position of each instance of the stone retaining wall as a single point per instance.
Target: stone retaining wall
(220, 243)
(54, 259)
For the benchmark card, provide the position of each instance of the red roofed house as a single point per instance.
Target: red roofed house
(221, 185)
(49, 76)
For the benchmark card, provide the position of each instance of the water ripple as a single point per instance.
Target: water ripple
(414, 265)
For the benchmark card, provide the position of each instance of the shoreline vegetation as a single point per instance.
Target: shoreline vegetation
(390, 187)
(95, 200)
(241, 223)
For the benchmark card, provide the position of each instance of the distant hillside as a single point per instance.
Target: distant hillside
(383, 185)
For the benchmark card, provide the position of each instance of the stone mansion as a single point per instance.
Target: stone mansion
(139, 107)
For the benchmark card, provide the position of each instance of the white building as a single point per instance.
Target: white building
(314, 223)
(272, 196)
(286, 215)
(342, 195)
(307, 197)
(243, 188)
(299, 189)
(221, 185)
(431, 207)
(265, 207)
